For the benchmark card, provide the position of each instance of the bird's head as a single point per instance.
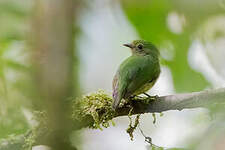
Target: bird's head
(142, 47)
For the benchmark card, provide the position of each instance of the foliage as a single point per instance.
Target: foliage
(151, 20)
(13, 68)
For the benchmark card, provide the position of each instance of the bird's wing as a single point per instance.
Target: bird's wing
(138, 73)
(132, 75)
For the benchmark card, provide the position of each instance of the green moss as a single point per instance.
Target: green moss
(39, 133)
(29, 141)
(154, 118)
(12, 142)
(93, 110)
(130, 129)
(97, 105)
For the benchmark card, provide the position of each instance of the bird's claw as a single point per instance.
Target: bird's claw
(151, 97)
(135, 96)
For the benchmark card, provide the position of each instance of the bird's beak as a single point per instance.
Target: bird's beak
(128, 45)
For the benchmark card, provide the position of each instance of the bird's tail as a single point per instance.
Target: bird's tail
(116, 99)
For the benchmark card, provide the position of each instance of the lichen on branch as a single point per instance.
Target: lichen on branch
(95, 110)
(96, 106)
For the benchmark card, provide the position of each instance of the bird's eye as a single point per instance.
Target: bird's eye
(140, 46)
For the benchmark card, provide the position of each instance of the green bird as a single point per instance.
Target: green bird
(138, 73)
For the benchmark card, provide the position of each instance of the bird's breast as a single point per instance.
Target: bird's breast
(144, 88)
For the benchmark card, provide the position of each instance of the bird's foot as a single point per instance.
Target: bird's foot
(151, 97)
(135, 96)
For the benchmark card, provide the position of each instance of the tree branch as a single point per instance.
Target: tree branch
(176, 102)
(95, 109)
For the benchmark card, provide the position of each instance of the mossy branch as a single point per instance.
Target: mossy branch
(95, 110)
(97, 106)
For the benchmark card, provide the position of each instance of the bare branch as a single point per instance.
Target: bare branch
(177, 102)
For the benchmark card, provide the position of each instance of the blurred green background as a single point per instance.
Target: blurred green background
(189, 33)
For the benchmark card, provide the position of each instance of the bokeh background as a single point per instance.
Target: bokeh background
(190, 35)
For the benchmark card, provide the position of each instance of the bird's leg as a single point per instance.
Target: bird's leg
(138, 96)
(133, 96)
(151, 97)
(147, 94)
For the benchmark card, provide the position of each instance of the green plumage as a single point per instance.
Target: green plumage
(138, 73)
